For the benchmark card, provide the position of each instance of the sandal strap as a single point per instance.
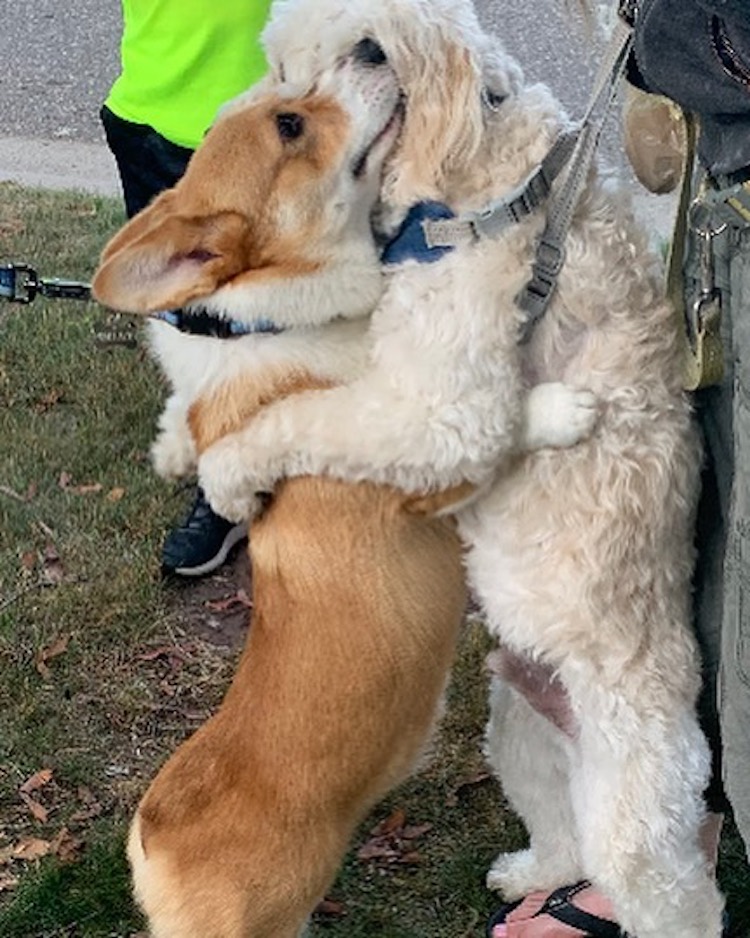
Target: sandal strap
(560, 907)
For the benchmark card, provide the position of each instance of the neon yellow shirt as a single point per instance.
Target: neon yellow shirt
(183, 59)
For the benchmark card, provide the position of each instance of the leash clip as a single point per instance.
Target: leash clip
(19, 283)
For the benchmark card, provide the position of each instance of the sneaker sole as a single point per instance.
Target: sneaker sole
(234, 536)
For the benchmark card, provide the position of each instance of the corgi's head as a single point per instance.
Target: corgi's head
(272, 216)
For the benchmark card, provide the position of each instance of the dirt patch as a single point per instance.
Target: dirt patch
(215, 608)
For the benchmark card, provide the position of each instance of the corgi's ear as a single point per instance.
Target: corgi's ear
(161, 259)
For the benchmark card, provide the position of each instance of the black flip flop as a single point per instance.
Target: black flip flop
(558, 905)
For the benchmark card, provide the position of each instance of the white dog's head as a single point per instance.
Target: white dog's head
(457, 82)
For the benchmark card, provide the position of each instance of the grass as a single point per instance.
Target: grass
(103, 670)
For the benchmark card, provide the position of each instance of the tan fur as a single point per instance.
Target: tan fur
(356, 608)
(357, 595)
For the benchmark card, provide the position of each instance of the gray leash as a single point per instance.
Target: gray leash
(550, 251)
(574, 149)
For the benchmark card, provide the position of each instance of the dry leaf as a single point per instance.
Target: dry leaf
(48, 401)
(65, 482)
(465, 785)
(376, 850)
(91, 488)
(31, 848)
(331, 908)
(38, 810)
(53, 570)
(7, 882)
(392, 840)
(394, 821)
(115, 494)
(36, 781)
(44, 655)
(240, 598)
(28, 560)
(65, 846)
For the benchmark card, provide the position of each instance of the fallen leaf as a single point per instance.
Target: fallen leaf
(240, 598)
(394, 821)
(57, 648)
(332, 908)
(65, 482)
(392, 841)
(414, 831)
(28, 560)
(31, 492)
(31, 848)
(36, 781)
(7, 882)
(465, 785)
(38, 810)
(375, 850)
(48, 401)
(65, 846)
(91, 488)
(410, 859)
(115, 494)
(53, 570)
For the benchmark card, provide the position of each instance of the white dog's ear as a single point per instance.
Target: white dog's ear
(161, 260)
(443, 128)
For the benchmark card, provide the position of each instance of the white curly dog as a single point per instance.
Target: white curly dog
(581, 557)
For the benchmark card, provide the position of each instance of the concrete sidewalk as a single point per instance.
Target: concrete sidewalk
(59, 164)
(90, 167)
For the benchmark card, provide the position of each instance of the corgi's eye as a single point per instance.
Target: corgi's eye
(290, 125)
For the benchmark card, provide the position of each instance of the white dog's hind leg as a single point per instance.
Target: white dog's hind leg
(638, 800)
(530, 756)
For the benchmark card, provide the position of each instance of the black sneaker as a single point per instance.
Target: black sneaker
(201, 543)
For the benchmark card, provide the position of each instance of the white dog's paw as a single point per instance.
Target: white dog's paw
(173, 455)
(227, 488)
(517, 874)
(558, 415)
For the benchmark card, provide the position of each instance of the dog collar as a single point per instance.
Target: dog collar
(201, 322)
(410, 241)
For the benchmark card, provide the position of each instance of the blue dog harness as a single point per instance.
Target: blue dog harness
(410, 241)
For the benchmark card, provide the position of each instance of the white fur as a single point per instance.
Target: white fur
(581, 556)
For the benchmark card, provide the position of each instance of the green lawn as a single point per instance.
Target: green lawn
(103, 669)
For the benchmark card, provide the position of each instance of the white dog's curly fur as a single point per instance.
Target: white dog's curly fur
(582, 557)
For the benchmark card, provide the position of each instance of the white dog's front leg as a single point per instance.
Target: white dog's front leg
(557, 415)
(231, 491)
(173, 451)
(364, 431)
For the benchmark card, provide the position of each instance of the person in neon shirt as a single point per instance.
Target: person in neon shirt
(181, 60)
